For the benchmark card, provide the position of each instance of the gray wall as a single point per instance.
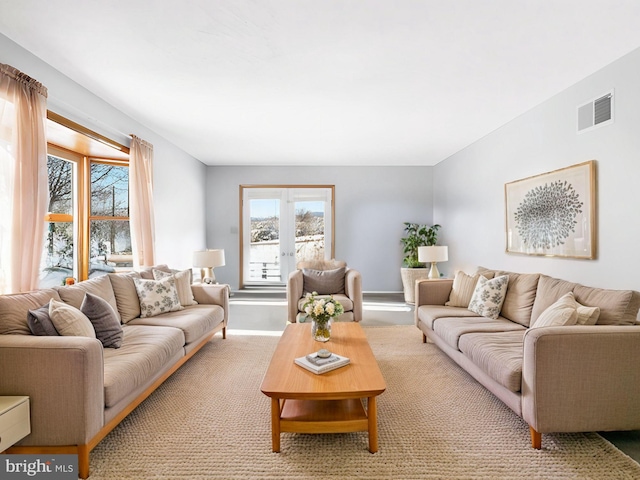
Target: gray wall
(370, 207)
(469, 186)
(179, 179)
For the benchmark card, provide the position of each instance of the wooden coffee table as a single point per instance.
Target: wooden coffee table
(332, 402)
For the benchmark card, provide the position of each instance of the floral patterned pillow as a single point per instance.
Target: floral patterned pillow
(488, 296)
(157, 296)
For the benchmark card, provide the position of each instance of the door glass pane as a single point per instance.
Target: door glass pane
(109, 190)
(264, 252)
(309, 230)
(110, 245)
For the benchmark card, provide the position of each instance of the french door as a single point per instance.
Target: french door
(281, 226)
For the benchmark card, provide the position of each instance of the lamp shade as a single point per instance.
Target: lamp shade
(208, 258)
(433, 254)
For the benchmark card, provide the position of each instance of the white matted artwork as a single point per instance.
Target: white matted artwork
(554, 213)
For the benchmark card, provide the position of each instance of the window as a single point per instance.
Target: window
(87, 230)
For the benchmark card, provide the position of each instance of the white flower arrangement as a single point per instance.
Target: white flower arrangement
(322, 309)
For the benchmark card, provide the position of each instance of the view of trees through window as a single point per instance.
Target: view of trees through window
(107, 213)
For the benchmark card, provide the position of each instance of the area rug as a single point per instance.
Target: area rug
(210, 421)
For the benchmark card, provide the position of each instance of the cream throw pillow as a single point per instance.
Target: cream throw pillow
(157, 296)
(587, 315)
(70, 321)
(563, 312)
(183, 285)
(488, 296)
(462, 290)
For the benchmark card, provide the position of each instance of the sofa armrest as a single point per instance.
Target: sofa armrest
(432, 292)
(581, 378)
(353, 290)
(295, 285)
(212, 294)
(64, 379)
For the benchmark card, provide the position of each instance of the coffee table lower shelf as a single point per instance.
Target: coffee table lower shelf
(324, 416)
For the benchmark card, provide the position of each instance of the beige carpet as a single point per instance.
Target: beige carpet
(210, 420)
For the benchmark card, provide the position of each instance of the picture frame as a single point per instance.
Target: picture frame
(553, 214)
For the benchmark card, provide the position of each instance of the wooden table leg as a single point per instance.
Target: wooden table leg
(275, 424)
(372, 414)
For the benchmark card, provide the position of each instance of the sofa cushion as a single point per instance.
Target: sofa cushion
(462, 289)
(521, 294)
(104, 320)
(145, 351)
(194, 321)
(69, 321)
(126, 296)
(324, 282)
(14, 309)
(499, 355)
(614, 304)
(563, 312)
(100, 286)
(157, 296)
(183, 285)
(428, 314)
(548, 292)
(40, 322)
(451, 329)
(488, 296)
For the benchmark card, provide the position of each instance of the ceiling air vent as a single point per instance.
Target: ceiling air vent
(596, 113)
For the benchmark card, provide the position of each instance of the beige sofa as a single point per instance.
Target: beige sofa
(80, 390)
(570, 378)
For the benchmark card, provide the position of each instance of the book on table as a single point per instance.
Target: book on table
(318, 365)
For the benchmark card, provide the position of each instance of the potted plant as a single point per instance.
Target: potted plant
(416, 235)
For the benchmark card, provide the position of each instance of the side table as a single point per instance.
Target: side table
(15, 423)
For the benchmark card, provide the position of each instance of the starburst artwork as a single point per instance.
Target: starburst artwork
(553, 213)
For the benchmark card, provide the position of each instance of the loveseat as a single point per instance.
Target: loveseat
(80, 387)
(541, 354)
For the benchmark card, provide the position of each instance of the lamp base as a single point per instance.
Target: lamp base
(207, 276)
(433, 273)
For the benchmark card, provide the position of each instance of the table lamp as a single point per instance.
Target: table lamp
(433, 254)
(207, 260)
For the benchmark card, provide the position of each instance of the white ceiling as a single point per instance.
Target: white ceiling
(324, 82)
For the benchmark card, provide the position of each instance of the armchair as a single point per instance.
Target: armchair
(327, 277)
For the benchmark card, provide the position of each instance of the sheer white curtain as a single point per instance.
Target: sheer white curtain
(24, 189)
(141, 215)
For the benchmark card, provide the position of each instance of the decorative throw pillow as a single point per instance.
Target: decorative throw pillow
(562, 312)
(104, 320)
(324, 282)
(69, 321)
(183, 285)
(488, 296)
(462, 290)
(587, 315)
(157, 296)
(40, 322)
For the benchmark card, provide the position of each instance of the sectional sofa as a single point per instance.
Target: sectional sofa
(537, 348)
(80, 387)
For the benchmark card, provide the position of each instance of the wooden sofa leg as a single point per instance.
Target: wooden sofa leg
(224, 333)
(536, 439)
(83, 461)
(424, 338)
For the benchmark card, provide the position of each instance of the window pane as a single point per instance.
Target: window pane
(60, 185)
(109, 190)
(264, 253)
(309, 231)
(58, 258)
(110, 246)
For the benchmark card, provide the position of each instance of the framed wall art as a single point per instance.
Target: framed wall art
(553, 214)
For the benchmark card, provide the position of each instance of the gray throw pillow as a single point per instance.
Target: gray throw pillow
(324, 282)
(40, 322)
(104, 320)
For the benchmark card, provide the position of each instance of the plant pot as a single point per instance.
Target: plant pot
(409, 277)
